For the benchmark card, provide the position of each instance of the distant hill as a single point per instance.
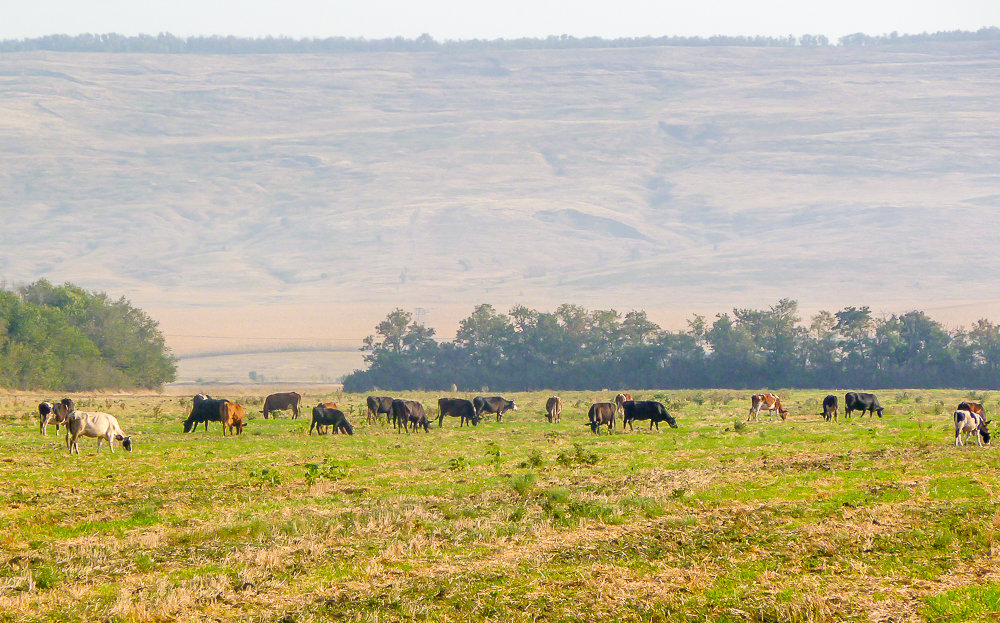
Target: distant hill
(673, 178)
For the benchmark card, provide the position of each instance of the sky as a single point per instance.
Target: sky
(468, 19)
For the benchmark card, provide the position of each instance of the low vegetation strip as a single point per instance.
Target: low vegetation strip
(521, 520)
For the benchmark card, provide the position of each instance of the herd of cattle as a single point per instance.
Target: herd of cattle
(409, 415)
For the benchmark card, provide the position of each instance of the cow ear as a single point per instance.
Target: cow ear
(119, 437)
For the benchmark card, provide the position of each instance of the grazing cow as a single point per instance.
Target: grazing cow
(329, 405)
(457, 407)
(281, 401)
(553, 409)
(771, 402)
(860, 401)
(620, 399)
(409, 412)
(232, 416)
(330, 417)
(969, 422)
(95, 424)
(650, 410)
(203, 411)
(601, 413)
(379, 404)
(493, 404)
(975, 407)
(830, 408)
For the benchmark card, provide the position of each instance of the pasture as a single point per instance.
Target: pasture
(803, 520)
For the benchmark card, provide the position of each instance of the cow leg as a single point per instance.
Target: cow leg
(111, 445)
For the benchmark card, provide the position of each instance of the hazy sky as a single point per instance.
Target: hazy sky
(464, 19)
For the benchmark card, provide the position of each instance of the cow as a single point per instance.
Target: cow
(771, 402)
(601, 413)
(232, 415)
(95, 424)
(321, 429)
(620, 400)
(975, 407)
(970, 422)
(281, 401)
(46, 414)
(323, 416)
(457, 407)
(54, 413)
(830, 408)
(379, 404)
(407, 412)
(203, 411)
(553, 409)
(860, 401)
(650, 410)
(493, 404)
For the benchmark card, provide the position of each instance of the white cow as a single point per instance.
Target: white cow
(970, 423)
(95, 424)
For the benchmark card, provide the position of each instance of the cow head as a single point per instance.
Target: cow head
(984, 430)
(187, 426)
(126, 441)
(511, 405)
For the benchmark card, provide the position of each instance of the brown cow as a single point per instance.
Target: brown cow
(771, 402)
(601, 413)
(281, 401)
(553, 409)
(232, 416)
(620, 400)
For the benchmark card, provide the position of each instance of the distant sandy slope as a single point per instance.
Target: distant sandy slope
(299, 198)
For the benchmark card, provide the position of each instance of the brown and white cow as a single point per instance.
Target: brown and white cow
(620, 400)
(553, 409)
(771, 402)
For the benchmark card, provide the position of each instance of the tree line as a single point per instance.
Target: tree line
(66, 338)
(166, 43)
(576, 348)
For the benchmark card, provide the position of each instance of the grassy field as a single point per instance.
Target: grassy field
(866, 520)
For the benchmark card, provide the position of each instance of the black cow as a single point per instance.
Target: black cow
(325, 416)
(601, 413)
(650, 410)
(379, 404)
(409, 412)
(457, 407)
(493, 404)
(830, 408)
(203, 411)
(859, 401)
